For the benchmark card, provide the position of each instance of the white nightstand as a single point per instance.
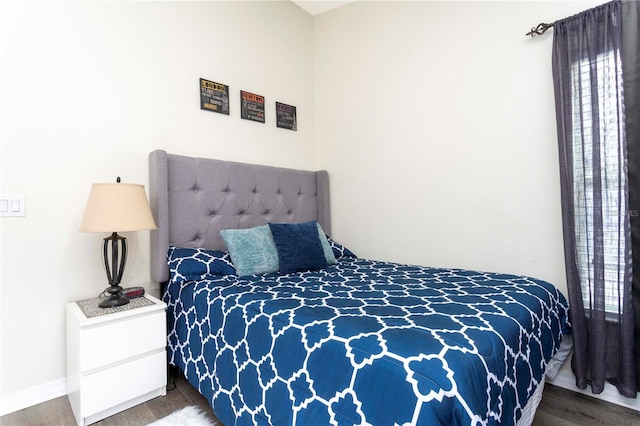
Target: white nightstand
(116, 357)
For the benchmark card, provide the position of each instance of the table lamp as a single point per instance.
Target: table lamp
(116, 207)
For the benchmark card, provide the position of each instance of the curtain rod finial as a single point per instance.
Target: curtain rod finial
(539, 30)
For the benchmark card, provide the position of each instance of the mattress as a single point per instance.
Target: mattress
(366, 342)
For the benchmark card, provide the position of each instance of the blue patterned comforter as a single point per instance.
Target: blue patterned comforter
(366, 342)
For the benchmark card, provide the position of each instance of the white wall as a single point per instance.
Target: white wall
(436, 122)
(87, 90)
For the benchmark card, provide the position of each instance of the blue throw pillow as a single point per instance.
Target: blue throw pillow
(299, 247)
(252, 250)
(189, 264)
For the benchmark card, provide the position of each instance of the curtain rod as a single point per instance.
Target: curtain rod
(539, 30)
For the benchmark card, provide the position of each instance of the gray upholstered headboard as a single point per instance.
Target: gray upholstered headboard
(192, 199)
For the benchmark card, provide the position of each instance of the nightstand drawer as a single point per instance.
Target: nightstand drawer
(107, 344)
(116, 358)
(108, 388)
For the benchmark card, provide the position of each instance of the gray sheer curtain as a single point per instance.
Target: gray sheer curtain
(631, 83)
(590, 111)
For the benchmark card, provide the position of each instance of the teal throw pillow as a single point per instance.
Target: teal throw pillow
(252, 250)
(329, 256)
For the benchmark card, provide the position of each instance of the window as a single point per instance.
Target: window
(586, 163)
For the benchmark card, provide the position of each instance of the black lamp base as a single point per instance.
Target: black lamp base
(118, 245)
(115, 299)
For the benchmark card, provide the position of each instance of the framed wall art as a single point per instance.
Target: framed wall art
(214, 96)
(251, 106)
(286, 116)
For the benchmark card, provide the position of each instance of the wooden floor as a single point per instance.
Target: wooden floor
(57, 412)
(559, 407)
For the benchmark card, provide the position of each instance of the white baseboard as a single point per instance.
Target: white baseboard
(565, 379)
(33, 396)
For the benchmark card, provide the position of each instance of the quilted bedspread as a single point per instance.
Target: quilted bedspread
(366, 342)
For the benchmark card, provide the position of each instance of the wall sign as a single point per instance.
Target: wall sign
(214, 96)
(251, 106)
(286, 116)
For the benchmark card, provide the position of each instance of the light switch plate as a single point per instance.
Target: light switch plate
(12, 205)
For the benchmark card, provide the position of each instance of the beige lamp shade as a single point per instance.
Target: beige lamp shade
(117, 207)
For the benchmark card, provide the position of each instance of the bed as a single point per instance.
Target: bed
(346, 340)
